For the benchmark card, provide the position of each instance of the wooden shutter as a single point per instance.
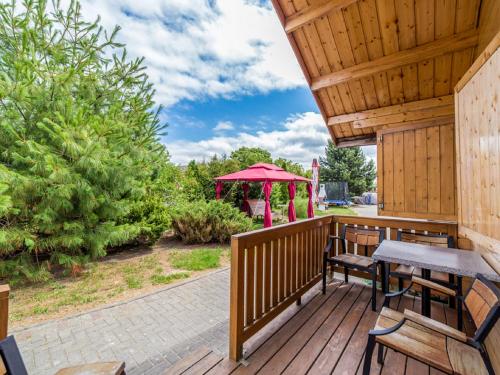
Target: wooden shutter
(416, 172)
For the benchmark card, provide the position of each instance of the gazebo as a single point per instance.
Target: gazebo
(267, 173)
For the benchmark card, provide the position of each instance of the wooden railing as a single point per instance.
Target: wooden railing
(270, 269)
(4, 310)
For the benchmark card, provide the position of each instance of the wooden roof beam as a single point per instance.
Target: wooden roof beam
(361, 140)
(312, 12)
(405, 117)
(426, 105)
(424, 52)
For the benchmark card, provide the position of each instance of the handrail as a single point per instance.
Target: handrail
(4, 310)
(270, 269)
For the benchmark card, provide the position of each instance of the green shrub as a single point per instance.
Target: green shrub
(196, 260)
(202, 222)
(301, 207)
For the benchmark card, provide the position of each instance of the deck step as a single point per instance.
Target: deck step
(198, 362)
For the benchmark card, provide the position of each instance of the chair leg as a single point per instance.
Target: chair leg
(324, 274)
(346, 274)
(374, 288)
(400, 284)
(370, 346)
(380, 354)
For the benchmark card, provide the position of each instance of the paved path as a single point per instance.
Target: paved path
(149, 333)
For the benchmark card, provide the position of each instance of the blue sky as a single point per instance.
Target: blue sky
(225, 74)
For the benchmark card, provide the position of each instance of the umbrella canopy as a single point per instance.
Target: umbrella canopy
(263, 172)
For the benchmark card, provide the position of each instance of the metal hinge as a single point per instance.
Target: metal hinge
(380, 138)
(381, 206)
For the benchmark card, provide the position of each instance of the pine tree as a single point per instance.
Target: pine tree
(349, 165)
(78, 135)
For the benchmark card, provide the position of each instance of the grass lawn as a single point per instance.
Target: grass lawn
(335, 211)
(117, 277)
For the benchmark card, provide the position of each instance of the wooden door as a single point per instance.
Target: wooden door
(416, 172)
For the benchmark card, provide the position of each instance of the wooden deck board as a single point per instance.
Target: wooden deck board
(327, 334)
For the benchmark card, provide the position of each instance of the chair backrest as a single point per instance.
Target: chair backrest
(431, 239)
(11, 357)
(482, 302)
(361, 236)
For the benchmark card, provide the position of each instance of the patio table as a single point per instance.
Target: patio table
(432, 258)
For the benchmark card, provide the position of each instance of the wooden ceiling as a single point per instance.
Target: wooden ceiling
(373, 64)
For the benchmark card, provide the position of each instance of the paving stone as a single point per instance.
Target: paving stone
(149, 333)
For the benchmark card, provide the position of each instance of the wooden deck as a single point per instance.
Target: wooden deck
(326, 335)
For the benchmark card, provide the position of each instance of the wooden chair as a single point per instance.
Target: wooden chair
(403, 272)
(361, 237)
(11, 363)
(441, 346)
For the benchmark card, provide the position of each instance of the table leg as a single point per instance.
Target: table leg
(383, 277)
(460, 319)
(426, 294)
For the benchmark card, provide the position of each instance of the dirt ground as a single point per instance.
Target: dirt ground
(118, 277)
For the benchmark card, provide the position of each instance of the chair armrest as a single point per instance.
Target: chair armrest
(435, 325)
(433, 285)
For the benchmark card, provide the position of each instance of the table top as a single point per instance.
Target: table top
(449, 260)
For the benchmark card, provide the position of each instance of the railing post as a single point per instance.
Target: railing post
(4, 310)
(237, 298)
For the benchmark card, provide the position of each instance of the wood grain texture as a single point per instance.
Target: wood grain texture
(478, 150)
(418, 171)
(4, 310)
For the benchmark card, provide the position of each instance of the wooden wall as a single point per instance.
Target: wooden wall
(478, 153)
(416, 172)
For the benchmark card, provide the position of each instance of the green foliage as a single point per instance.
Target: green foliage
(202, 222)
(247, 156)
(348, 164)
(196, 260)
(301, 207)
(79, 144)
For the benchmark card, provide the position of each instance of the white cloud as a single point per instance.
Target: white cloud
(197, 49)
(301, 138)
(223, 126)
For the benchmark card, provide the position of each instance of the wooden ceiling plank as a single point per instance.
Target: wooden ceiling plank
(358, 141)
(355, 32)
(467, 13)
(369, 20)
(405, 11)
(421, 53)
(424, 16)
(337, 30)
(394, 109)
(405, 117)
(313, 12)
(444, 26)
(389, 30)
